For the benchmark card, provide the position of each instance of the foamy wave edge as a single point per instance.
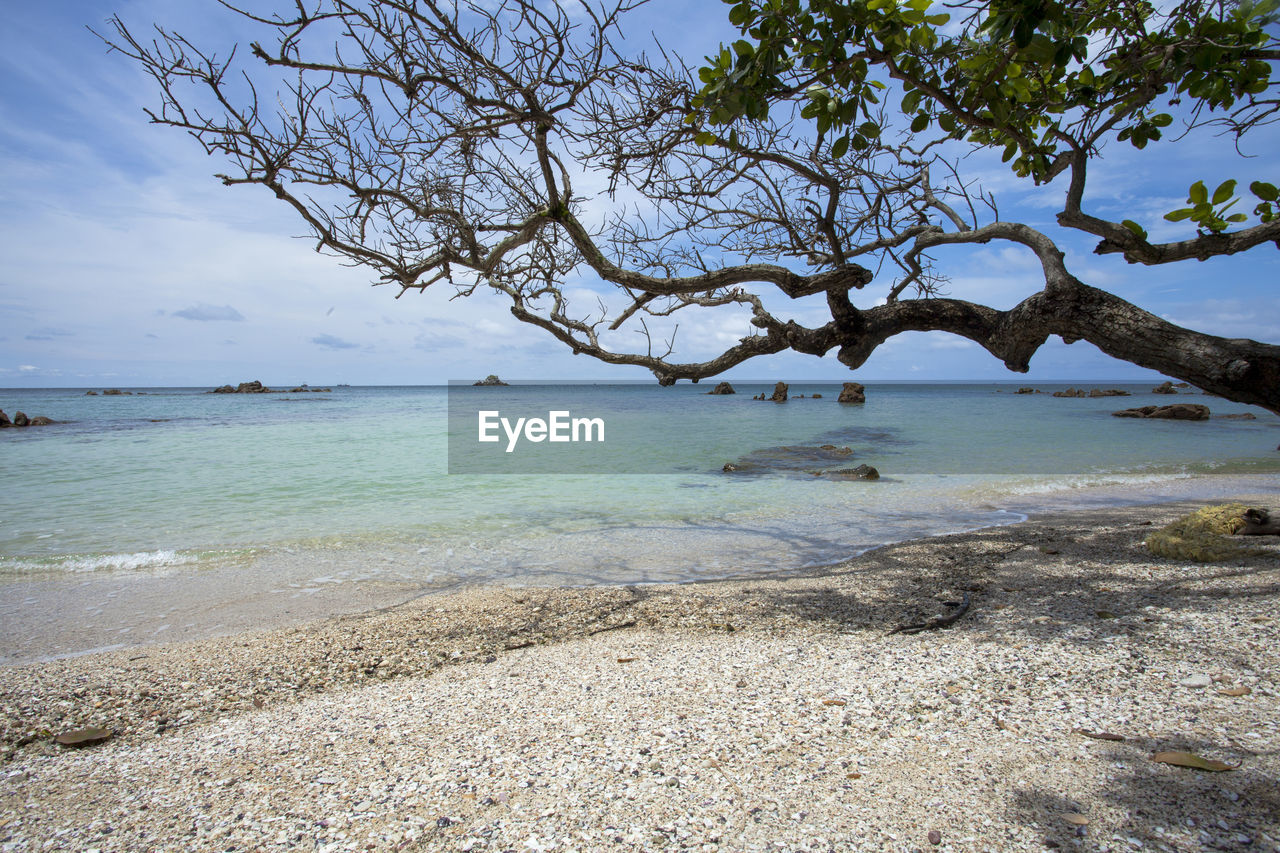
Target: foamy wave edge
(82, 563)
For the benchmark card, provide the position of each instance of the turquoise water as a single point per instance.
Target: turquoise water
(177, 479)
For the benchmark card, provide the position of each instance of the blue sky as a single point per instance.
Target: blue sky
(127, 264)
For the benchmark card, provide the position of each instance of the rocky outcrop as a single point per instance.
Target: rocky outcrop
(302, 389)
(780, 392)
(20, 419)
(491, 379)
(862, 472)
(1238, 416)
(1028, 391)
(817, 396)
(116, 392)
(723, 388)
(1175, 412)
(91, 393)
(1093, 392)
(1164, 388)
(852, 392)
(254, 387)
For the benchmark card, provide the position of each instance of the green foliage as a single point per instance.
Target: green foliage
(1210, 212)
(1031, 78)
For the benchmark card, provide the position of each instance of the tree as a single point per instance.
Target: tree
(443, 144)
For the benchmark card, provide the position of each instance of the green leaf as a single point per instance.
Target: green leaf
(1138, 230)
(920, 122)
(740, 14)
(1237, 217)
(1264, 191)
(1225, 190)
(704, 137)
(1198, 194)
(840, 147)
(1179, 215)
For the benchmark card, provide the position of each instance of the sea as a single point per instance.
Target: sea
(172, 513)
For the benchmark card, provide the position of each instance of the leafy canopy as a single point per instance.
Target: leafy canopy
(1041, 80)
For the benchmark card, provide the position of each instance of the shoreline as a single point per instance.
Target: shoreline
(46, 617)
(511, 711)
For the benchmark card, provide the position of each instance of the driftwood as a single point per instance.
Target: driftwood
(945, 621)
(1258, 522)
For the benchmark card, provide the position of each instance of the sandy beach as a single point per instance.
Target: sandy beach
(774, 714)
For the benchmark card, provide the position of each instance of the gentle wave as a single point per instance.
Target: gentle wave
(82, 563)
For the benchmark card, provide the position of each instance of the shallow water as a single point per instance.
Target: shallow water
(313, 496)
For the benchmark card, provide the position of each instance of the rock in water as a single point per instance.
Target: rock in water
(852, 392)
(491, 379)
(723, 388)
(862, 472)
(20, 419)
(1175, 412)
(780, 393)
(1164, 388)
(4, 419)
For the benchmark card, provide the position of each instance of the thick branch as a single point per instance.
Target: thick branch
(1237, 368)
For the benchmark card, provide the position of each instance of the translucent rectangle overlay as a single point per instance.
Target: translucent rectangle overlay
(981, 430)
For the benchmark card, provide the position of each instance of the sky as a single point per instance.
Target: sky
(126, 264)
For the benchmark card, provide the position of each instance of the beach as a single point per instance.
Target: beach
(776, 713)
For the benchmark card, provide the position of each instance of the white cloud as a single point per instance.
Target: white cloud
(210, 313)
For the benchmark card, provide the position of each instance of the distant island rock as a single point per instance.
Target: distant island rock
(256, 387)
(1095, 392)
(1164, 388)
(1175, 412)
(723, 388)
(491, 379)
(20, 419)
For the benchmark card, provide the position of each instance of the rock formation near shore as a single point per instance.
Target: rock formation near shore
(20, 420)
(1175, 412)
(780, 392)
(1164, 388)
(852, 392)
(723, 388)
(491, 380)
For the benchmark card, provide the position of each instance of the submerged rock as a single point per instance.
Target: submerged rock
(862, 472)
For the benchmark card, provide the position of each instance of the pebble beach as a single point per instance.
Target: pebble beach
(780, 713)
